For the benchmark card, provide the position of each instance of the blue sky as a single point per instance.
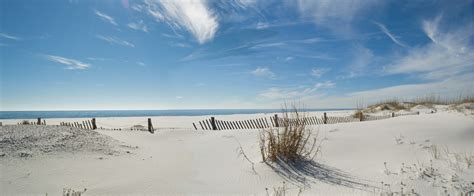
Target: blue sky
(191, 54)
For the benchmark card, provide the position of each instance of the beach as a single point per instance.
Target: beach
(357, 158)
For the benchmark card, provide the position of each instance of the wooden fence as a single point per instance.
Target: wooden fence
(275, 121)
(377, 117)
(87, 124)
(91, 124)
(37, 122)
(405, 114)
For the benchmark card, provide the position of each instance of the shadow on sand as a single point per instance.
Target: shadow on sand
(305, 173)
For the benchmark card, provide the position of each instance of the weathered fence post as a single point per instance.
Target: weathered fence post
(276, 120)
(213, 123)
(418, 112)
(1, 124)
(361, 116)
(150, 126)
(94, 126)
(39, 121)
(393, 114)
(325, 118)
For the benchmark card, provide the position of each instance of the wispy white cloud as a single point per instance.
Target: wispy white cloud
(140, 25)
(309, 40)
(181, 45)
(195, 16)
(318, 72)
(267, 45)
(141, 63)
(389, 34)
(71, 63)
(300, 92)
(449, 88)
(326, 84)
(262, 25)
(175, 36)
(336, 14)
(98, 59)
(263, 72)
(106, 18)
(360, 64)
(138, 7)
(114, 40)
(7, 36)
(449, 54)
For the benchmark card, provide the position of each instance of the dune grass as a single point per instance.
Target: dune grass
(397, 104)
(290, 142)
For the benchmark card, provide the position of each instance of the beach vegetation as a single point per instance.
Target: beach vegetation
(292, 141)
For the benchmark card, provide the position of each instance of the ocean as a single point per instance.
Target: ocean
(131, 113)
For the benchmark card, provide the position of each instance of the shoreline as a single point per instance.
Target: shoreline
(176, 122)
(6, 115)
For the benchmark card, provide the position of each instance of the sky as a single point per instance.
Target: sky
(216, 54)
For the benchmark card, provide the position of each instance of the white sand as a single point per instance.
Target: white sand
(32, 140)
(179, 160)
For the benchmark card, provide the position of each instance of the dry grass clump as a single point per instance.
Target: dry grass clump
(291, 142)
(281, 191)
(25, 122)
(436, 99)
(393, 105)
(469, 99)
(428, 101)
(435, 151)
(468, 158)
(358, 114)
(70, 192)
(278, 191)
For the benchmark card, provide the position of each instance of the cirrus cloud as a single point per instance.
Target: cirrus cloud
(71, 63)
(263, 72)
(448, 54)
(106, 18)
(114, 40)
(194, 16)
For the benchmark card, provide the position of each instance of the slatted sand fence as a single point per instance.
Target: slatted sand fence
(341, 119)
(85, 124)
(268, 122)
(406, 114)
(92, 124)
(257, 123)
(376, 117)
(214, 124)
(275, 121)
